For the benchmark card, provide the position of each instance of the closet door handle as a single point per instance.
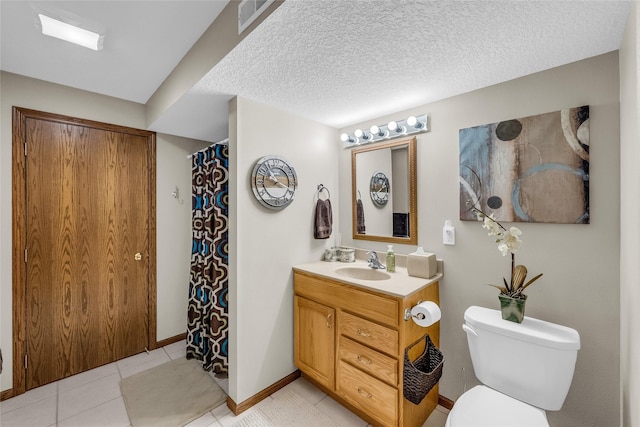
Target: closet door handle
(329, 323)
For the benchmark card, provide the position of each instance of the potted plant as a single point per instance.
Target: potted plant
(512, 299)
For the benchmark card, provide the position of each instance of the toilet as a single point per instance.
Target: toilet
(525, 370)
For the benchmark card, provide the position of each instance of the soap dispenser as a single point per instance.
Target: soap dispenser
(391, 259)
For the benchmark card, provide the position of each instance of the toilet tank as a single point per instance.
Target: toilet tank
(532, 361)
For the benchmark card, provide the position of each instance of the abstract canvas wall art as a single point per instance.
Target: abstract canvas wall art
(532, 169)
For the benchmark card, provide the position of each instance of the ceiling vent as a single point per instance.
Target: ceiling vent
(249, 10)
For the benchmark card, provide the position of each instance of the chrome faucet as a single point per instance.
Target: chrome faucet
(373, 261)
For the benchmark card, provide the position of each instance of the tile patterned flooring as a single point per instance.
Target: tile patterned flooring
(93, 399)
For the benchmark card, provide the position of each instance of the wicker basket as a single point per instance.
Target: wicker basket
(423, 373)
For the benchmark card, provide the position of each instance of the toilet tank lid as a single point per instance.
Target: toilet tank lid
(532, 330)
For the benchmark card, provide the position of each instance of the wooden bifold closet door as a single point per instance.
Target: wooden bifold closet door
(88, 222)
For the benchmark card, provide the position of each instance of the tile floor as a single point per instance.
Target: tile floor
(93, 399)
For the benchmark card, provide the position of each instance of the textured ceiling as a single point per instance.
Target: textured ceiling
(342, 62)
(338, 62)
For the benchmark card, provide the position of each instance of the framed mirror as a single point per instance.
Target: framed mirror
(384, 193)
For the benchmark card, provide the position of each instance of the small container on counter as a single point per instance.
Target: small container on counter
(346, 254)
(391, 259)
(330, 255)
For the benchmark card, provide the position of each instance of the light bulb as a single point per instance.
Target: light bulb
(395, 127)
(375, 130)
(359, 133)
(413, 121)
(344, 137)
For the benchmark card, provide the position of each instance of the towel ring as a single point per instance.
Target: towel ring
(319, 190)
(359, 196)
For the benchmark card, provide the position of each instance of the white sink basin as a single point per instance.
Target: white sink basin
(362, 273)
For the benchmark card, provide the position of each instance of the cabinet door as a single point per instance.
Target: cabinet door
(314, 335)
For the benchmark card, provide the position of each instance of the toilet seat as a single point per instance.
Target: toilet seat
(483, 406)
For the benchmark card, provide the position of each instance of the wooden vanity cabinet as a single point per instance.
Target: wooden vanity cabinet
(349, 341)
(314, 351)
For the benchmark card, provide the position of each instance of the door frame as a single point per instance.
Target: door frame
(18, 201)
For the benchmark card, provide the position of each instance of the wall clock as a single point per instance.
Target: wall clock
(379, 188)
(274, 182)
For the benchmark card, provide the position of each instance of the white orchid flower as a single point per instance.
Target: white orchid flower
(511, 242)
(492, 225)
(515, 231)
(508, 243)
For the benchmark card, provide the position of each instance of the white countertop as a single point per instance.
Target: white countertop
(399, 284)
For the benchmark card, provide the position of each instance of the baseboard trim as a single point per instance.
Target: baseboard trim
(6, 394)
(171, 340)
(444, 402)
(238, 408)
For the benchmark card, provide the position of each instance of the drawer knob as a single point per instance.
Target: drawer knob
(329, 320)
(364, 393)
(363, 332)
(363, 359)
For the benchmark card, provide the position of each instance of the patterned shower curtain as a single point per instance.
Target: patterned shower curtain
(207, 329)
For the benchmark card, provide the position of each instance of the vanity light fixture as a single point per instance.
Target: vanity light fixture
(412, 121)
(360, 134)
(393, 129)
(67, 32)
(348, 139)
(376, 131)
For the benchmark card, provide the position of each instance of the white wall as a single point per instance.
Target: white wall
(172, 169)
(630, 206)
(265, 244)
(580, 287)
(400, 180)
(173, 225)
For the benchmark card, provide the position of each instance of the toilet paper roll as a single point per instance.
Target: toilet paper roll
(426, 313)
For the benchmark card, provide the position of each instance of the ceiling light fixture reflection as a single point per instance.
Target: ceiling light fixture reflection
(63, 31)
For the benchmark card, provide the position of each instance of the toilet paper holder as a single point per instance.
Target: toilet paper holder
(408, 315)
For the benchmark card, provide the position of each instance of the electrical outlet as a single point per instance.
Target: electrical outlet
(448, 234)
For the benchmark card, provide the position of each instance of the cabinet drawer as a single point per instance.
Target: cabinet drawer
(377, 399)
(377, 364)
(383, 309)
(369, 333)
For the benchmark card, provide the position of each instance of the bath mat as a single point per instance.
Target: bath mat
(171, 395)
(287, 409)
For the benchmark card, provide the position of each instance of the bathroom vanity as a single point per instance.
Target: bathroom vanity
(350, 335)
